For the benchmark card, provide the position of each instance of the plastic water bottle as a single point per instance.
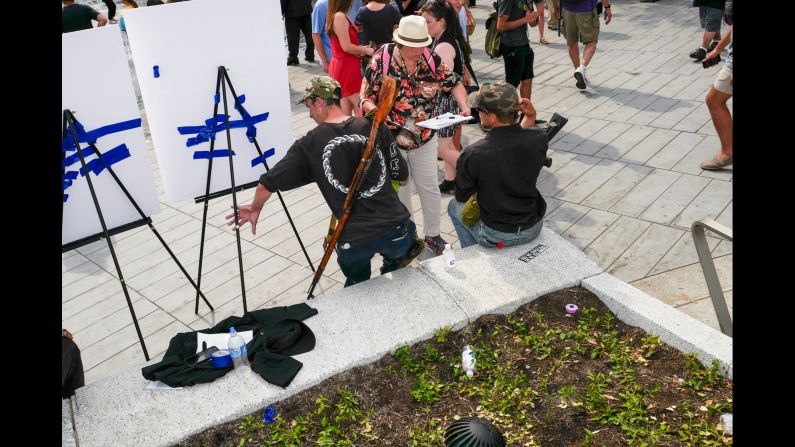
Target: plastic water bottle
(468, 361)
(449, 257)
(237, 349)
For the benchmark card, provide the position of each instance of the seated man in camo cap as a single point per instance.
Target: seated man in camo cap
(502, 169)
(328, 156)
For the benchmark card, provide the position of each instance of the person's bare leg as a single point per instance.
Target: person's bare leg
(588, 52)
(574, 54)
(541, 22)
(457, 138)
(722, 120)
(709, 36)
(450, 156)
(350, 104)
(526, 88)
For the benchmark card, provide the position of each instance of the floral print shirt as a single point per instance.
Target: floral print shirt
(417, 93)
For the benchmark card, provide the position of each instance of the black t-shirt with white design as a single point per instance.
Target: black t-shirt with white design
(328, 155)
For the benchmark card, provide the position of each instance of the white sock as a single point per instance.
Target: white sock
(703, 48)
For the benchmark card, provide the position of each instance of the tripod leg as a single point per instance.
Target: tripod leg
(70, 123)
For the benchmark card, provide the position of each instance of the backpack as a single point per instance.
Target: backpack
(492, 35)
(387, 56)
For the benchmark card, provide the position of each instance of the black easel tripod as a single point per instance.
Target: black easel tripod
(68, 125)
(221, 83)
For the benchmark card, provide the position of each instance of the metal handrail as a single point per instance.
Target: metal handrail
(708, 266)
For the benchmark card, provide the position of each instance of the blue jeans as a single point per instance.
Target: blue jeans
(479, 233)
(394, 245)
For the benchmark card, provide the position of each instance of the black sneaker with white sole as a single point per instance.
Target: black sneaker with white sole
(699, 54)
(580, 80)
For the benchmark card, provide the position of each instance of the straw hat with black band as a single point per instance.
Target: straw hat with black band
(412, 32)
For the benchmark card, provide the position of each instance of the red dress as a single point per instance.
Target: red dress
(345, 68)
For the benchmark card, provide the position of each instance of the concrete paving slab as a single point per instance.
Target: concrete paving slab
(67, 432)
(703, 310)
(485, 282)
(616, 187)
(589, 227)
(686, 284)
(354, 326)
(644, 253)
(674, 199)
(679, 330)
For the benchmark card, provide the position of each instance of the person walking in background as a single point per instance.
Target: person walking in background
(345, 67)
(581, 24)
(78, 17)
(298, 19)
(421, 75)
(554, 15)
(719, 95)
(111, 11)
(450, 44)
(512, 20)
(377, 20)
(319, 35)
(710, 14)
(540, 7)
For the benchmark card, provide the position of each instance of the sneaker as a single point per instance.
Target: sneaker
(712, 46)
(436, 244)
(699, 54)
(579, 75)
(310, 59)
(447, 186)
(292, 60)
(715, 164)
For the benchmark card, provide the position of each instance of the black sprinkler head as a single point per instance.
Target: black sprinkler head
(473, 432)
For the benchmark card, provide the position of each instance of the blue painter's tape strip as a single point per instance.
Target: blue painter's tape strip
(65, 198)
(261, 159)
(217, 153)
(107, 159)
(75, 158)
(67, 144)
(156, 70)
(217, 98)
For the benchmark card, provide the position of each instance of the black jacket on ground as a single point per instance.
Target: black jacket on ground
(502, 169)
(278, 334)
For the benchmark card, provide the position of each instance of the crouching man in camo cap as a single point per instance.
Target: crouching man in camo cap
(502, 170)
(328, 156)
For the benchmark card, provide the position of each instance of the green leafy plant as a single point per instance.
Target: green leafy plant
(697, 376)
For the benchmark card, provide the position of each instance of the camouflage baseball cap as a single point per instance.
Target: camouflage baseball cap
(321, 87)
(496, 96)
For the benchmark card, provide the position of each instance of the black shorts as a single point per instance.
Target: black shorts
(518, 63)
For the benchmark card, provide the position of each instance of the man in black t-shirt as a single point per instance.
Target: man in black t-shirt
(328, 156)
(78, 17)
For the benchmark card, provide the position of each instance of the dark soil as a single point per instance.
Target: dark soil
(522, 389)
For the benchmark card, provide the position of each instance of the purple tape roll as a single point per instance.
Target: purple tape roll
(221, 358)
(572, 309)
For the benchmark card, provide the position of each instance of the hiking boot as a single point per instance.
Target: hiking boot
(715, 164)
(436, 244)
(579, 75)
(699, 54)
(447, 186)
(292, 60)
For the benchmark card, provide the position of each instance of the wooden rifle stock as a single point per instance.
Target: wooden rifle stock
(386, 99)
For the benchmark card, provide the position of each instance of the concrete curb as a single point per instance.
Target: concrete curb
(360, 324)
(685, 333)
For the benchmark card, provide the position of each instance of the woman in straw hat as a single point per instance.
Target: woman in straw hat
(421, 75)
